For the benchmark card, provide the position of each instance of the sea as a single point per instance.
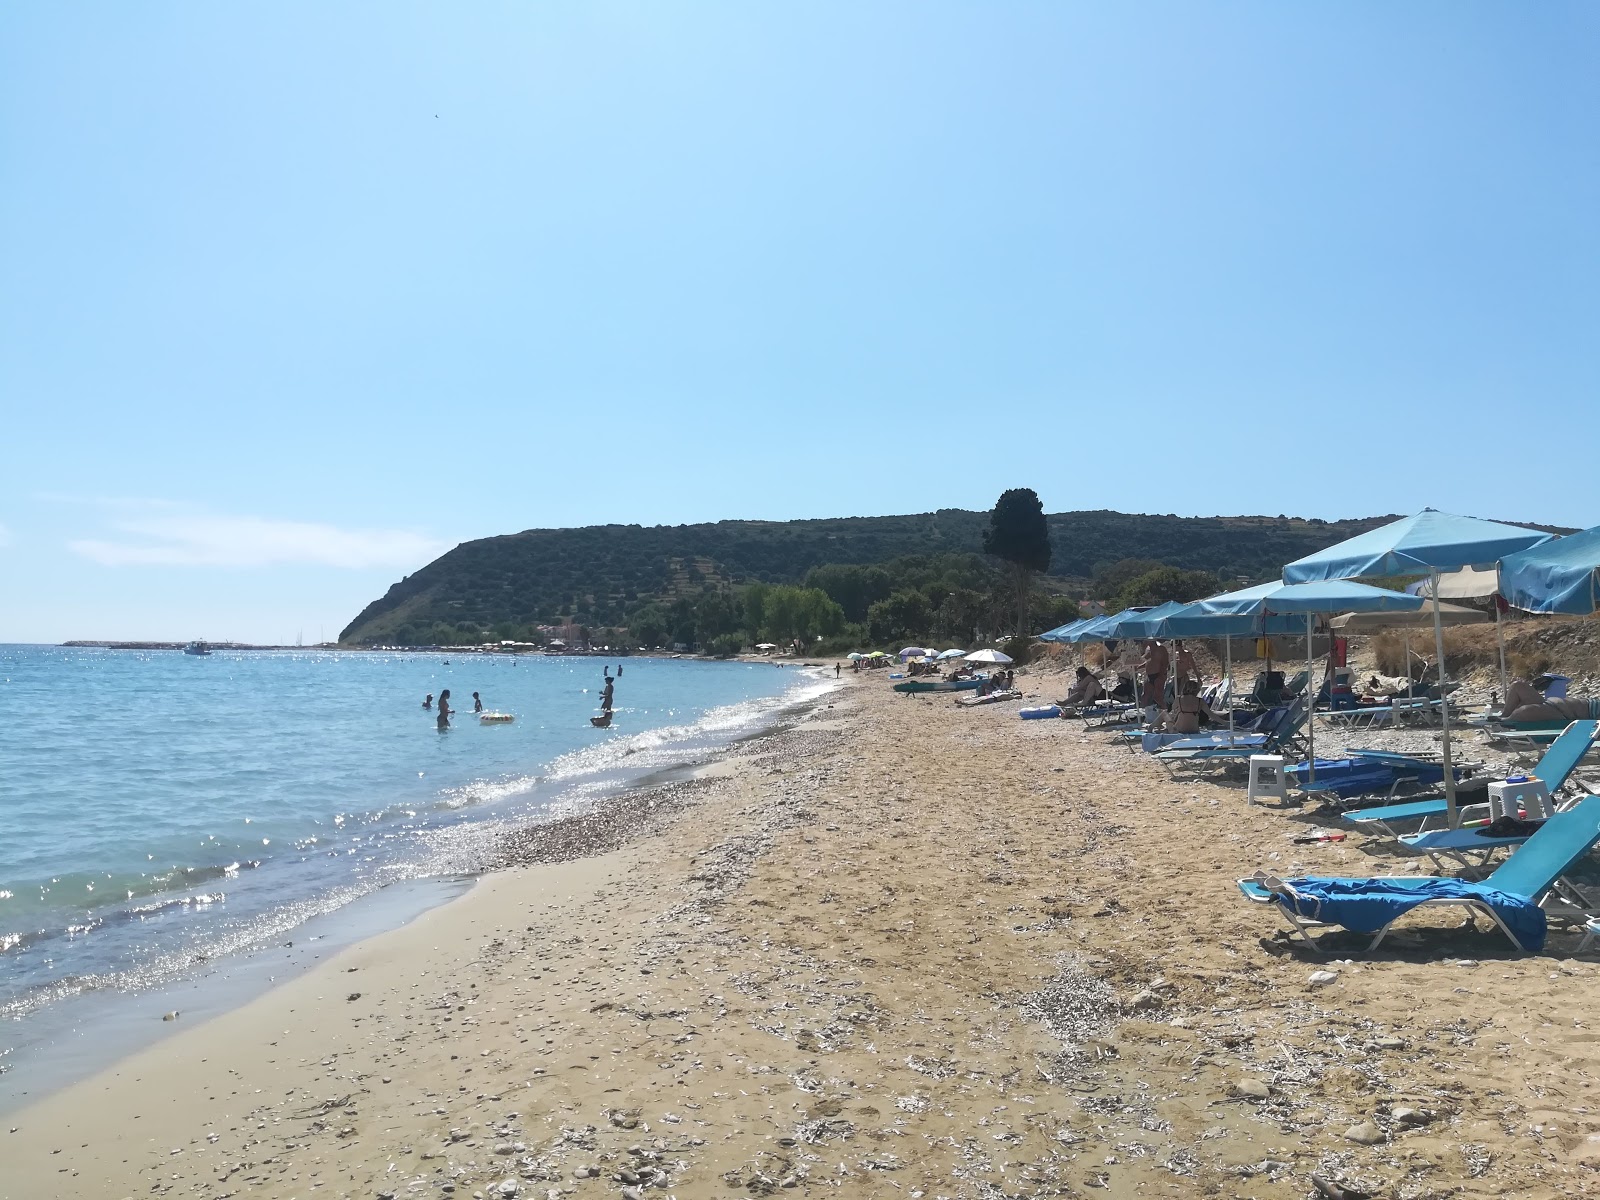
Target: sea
(184, 830)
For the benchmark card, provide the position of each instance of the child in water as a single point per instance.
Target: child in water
(477, 705)
(427, 701)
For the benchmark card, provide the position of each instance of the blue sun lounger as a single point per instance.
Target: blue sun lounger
(1213, 750)
(1558, 762)
(1469, 848)
(1526, 891)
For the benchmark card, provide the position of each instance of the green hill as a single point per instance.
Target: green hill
(598, 575)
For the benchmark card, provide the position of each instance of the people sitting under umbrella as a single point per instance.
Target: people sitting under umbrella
(1085, 690)
(1186, 711)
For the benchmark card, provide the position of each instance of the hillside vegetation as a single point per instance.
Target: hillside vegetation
(602, 575)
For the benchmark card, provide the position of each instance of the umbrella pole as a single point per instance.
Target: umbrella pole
(1227, 675)
(1444, 705)
(1500, 640)
(1311, 711)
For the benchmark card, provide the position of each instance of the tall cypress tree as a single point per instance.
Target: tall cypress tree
(1018, 536)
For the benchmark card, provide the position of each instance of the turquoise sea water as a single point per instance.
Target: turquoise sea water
(160, 811)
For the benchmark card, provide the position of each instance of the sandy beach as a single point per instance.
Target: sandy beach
(898, 949)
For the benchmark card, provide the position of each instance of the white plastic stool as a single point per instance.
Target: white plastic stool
(1267, 779)
(1509, 799)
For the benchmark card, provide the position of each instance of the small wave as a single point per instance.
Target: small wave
(138, 912)
(723, 723)
(487, 791)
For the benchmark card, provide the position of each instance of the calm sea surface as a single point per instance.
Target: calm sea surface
(160, 811)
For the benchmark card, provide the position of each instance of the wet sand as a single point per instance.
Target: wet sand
(901, 949)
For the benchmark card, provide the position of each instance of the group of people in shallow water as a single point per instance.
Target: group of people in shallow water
(445, 711)
(606, 695)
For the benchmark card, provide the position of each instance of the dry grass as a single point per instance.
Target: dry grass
(1534, 645)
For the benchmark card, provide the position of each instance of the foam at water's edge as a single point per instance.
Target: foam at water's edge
(580, 779)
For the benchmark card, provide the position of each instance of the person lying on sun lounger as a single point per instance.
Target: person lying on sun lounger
(1085, 690)
(1520, 694)
(1186, 711)
(1566, 709)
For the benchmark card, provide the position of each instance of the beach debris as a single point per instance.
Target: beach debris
(353, 996)
(1364, 1134)
(171, 1016)
(624, 1118)
(1322, 978)
(1331, 1190)
(1075, 1005)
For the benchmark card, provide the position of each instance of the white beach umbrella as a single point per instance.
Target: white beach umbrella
(988, 656)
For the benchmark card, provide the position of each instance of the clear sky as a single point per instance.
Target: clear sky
(293, 296)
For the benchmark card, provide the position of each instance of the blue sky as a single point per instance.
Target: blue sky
(297, 295)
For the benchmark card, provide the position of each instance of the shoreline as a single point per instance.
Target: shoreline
(557, 865)
(901, 947)
(77, 1036)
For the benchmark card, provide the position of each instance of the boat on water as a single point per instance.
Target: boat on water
(197, 648)
(918, 686)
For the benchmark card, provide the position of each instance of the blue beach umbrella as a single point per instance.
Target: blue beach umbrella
(1428, 543)
(1061, 632)
(1424, 544)
(1279, 607)
(1558, 576)
(1135, 623)
(1089, 631)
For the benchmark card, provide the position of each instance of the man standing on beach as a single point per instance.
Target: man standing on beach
(1154, 665)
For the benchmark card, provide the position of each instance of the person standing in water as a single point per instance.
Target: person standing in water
(444, 709)
(477, 704)
(605, 695)
(427, 701)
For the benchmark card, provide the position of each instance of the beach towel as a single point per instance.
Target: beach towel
(1367, 905)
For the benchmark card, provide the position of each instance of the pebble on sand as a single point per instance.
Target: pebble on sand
(1251, 1089)
(1365, 1134)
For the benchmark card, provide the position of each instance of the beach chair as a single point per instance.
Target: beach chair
(1375, 773)
(1267, 690)
(1279, 731)
(1471, 846)
(1520, 897)
(1557, 763)
(1253, 726)
(1591, 930)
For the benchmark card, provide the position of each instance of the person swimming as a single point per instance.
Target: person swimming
(444, 709)
(427, 701)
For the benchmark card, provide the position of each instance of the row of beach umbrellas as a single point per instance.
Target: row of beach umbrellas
(1534, 572)
(910, 652)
